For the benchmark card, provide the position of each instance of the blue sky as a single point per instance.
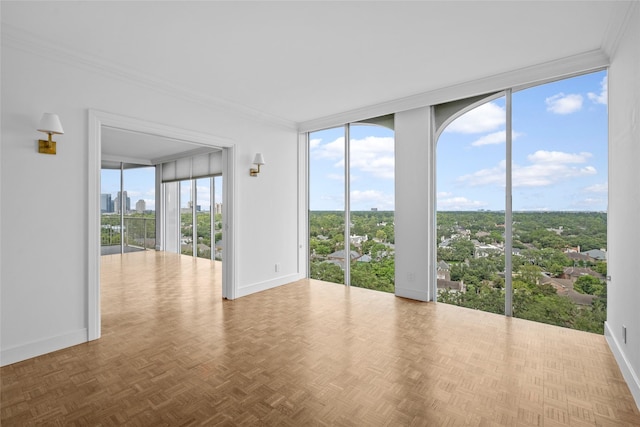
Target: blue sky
(559, 155)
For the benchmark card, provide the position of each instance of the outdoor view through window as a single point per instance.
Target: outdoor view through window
(130, 225)
(559, 200)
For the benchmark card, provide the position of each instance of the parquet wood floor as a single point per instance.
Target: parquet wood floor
(173, 353)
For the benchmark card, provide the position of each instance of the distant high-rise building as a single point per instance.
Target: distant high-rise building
(106, 204)
(127, 202)
(218, 208)
(140, 206)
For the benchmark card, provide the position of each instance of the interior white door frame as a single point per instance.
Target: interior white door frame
(96, 120)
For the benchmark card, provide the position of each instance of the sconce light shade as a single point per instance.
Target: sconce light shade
(49, 124)
(258, 160)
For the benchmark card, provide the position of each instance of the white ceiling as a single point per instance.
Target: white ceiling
(120, 145)
(299, 61)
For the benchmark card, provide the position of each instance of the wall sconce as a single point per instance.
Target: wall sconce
(49, 124)
(259, 160)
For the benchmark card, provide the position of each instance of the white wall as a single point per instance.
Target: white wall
(624, 204)
(44, 207)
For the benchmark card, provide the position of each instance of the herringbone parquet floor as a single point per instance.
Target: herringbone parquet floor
(173, 353)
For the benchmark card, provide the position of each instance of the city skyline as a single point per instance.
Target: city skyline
(139, 184)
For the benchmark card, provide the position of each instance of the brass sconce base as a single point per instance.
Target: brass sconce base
(46, 147)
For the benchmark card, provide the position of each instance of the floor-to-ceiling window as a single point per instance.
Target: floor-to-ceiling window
(470, 219)
(200, 216)
(127, 205)
(522, 203)
(372, 201)
(187, 214)
(351, 204)
(193, 200)
(327, 204)
(216, 211)
(204, 226)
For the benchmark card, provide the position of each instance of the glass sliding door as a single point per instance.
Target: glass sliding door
(327, 205)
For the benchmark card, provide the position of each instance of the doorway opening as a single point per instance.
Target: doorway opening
(114, 138)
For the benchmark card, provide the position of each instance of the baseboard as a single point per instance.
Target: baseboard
(412, 294)
(627, 370)
(268, 284)
(38, 348)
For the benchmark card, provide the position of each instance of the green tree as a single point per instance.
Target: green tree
(588, 285)
(326, 271)
(601, 267)
(530, 274)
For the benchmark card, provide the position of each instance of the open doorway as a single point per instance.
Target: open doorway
(115, 138)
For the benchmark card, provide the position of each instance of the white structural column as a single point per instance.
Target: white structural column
(415, 205)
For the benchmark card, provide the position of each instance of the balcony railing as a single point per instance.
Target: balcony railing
(137, 232)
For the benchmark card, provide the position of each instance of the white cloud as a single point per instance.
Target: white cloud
(495, 138)
(546, 168)
(542, 156)
(372, 155)
(603, 96)
(564, 104)
(485, 118)
(336, 176)
(368, 199)
(489, 176)
(314, 143)
(333, 150)
(448, 203)
(597, 188)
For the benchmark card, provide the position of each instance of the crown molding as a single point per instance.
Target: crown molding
(517, 79)
(25, 41)
(618, 24)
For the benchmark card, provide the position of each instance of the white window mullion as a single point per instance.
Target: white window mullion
(212, 218)
(347, 207)
(508, 214)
